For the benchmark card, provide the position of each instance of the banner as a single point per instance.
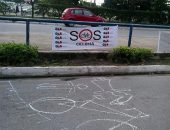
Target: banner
(83, 38)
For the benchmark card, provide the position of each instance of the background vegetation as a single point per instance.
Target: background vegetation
(129, 55)
(134, 11)
(15, 54)
(18, 54)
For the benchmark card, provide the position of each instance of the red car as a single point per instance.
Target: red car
(80, 14)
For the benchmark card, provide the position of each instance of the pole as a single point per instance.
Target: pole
(130, 35)
(32, 4)
(27, 32)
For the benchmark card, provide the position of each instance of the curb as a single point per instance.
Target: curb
(23, 72)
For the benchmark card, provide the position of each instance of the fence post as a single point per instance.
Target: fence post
(130, 35)
(27, 32)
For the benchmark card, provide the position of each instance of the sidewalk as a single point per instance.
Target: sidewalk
(23, 72)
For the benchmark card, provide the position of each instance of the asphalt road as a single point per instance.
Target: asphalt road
(44, 28)
(86, 103)
(41, 35)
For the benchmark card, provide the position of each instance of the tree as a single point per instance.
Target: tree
(3, 7)
(159, 5)
(144, 4)
(107, 3)
(128, 4)
(87, 4)
(75, 2)
(65, 2)
(121, 4)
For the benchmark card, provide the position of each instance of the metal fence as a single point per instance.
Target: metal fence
(129, 25)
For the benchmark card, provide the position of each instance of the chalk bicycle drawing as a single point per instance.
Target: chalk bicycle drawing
(104, 99)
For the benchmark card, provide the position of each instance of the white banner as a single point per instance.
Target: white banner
(80, 38)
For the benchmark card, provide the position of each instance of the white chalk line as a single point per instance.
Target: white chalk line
(16, 92)
(100, 97)
(71, 83)
(126, 122)
(5, 81)
(113, 120)
(73, 87)
(47, 119)
(18, 103)
(53, 99)
(21, 107)
(121, 122)
(120, 91)
(117, 101)
(141, 114)
(10, 95)
(93, 81)
(50, 84)
(121, 94)
(22, 100)
(64, 129)
(58, 86)
(136, 117)
(82, 86)
(31, 115)
(47, 87)
(114, 111)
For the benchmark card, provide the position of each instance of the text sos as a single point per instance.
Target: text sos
(95, 35)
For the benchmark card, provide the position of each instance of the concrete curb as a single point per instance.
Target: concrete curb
(19, 72)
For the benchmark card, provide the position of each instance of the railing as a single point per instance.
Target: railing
(131, 26)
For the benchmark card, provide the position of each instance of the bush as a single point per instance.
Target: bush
(129, 55)
(17, 54)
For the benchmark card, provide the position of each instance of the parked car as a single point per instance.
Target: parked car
(80, 14)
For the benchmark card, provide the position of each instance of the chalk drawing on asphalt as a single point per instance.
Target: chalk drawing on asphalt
(61, 104)
(21, 103)
(105, 99)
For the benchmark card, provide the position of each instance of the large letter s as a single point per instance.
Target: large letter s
(74, 34)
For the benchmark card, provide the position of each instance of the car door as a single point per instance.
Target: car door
(88, 15)
(77, 14)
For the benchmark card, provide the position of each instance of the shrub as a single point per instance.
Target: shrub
(129, 55)
(17, 54)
